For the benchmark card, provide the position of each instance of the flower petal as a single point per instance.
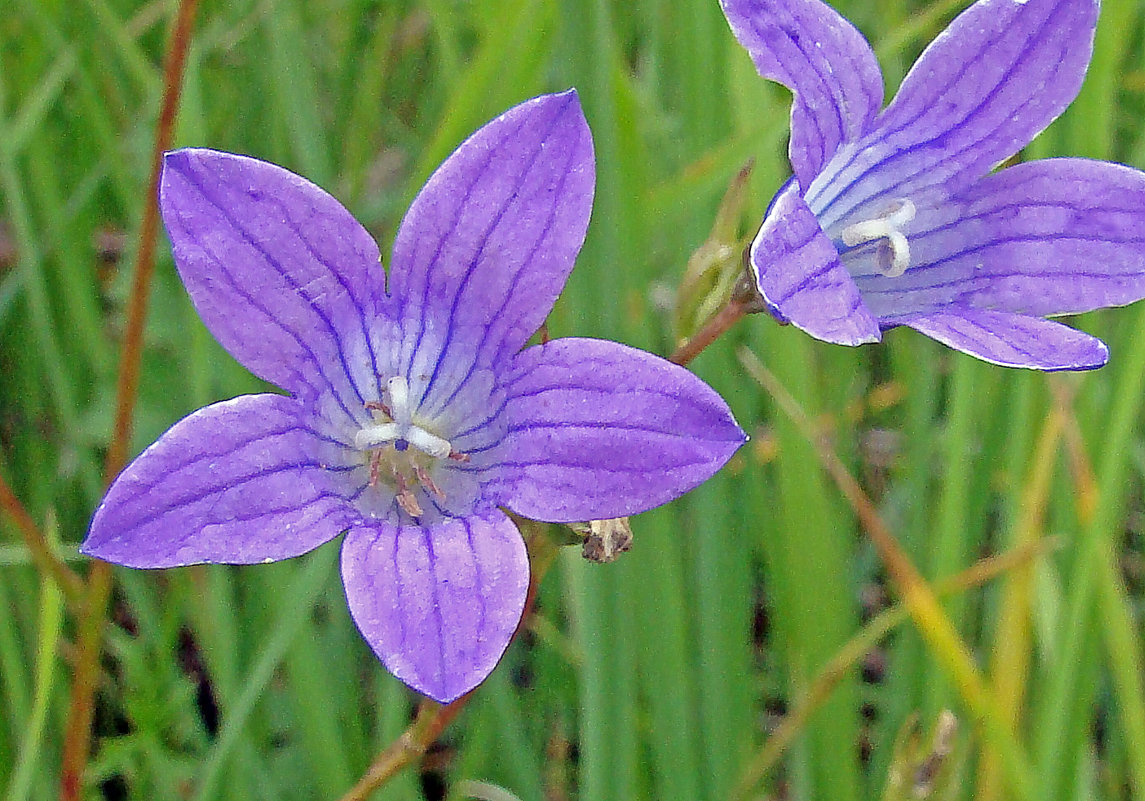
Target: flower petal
(284, 276)
(597, 430)
(801, 278)
(1002, 72)
(1057, 236)
(486, 247)
(237, 482)
(1012, 340)
(828, 65)
(438, 605)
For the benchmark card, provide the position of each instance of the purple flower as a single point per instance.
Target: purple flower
(894, 217)
(413, 413)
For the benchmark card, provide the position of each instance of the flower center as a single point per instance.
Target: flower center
(388, 442)
(893, 255)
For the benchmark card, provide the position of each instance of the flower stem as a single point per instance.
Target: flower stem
(745, 300)
(77, 737)
(433, 718)
(917, 595)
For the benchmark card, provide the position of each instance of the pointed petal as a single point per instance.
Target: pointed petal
(486, 247)
(1012, 340)
(1057, 236)
(598, 430)
(438, 605)
(1002, 72)
(238, 482)
(827, 64)
(284, 276)
(801, 278)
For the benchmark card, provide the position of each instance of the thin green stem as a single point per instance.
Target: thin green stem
(1122, 640)
(916, 594)
(1013, 638)
(859, 646)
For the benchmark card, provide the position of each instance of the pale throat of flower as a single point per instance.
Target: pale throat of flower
(392, 459)
(893, 255)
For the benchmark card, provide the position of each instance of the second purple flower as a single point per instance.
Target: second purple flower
(893, 216)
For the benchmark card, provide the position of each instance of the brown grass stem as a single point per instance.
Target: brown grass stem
(43, 555)
(917, 595)
(77, 736)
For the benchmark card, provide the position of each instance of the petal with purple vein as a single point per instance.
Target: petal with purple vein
(598, 430)
(239, 482)
(438, 604)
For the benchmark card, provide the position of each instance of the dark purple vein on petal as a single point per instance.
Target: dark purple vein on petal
(245, 235)
(490, 157)
(1019, 59)
(471, 269)
(363, 318)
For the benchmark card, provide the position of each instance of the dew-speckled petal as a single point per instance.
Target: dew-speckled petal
(801, 278)
(238, 482)
(1057, 236)
(1002, 72)
(438, 604)
(488, 244)
(826, 63)
(595, 430)
(283, 276)
(1012, 340)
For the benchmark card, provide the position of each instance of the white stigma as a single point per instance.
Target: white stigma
(400, 429)
(886, 227)
(398, 389)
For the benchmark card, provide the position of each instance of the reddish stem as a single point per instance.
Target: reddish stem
(745, 300)
(42, 554)
(433, 718)
(77, 737)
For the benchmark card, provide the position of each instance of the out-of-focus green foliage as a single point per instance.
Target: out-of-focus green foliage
(659, 676)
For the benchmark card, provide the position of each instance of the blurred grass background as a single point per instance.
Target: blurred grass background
(738, 650)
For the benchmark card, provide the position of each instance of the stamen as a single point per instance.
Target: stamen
(375, 467)
(408, 503)
(885, 227)
(427, 482)
(405, 497)
(403, 468)
(380, 406)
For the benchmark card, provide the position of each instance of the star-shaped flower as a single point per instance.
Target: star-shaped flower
(893, 216)
(413, 413)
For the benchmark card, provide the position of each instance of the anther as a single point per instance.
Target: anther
(427, 482)
(380, 406)
(885, 227)
(405, 497)
(375, 467)
(391, 458)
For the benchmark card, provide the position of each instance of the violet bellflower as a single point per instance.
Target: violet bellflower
(414, 415)
(894, 217)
